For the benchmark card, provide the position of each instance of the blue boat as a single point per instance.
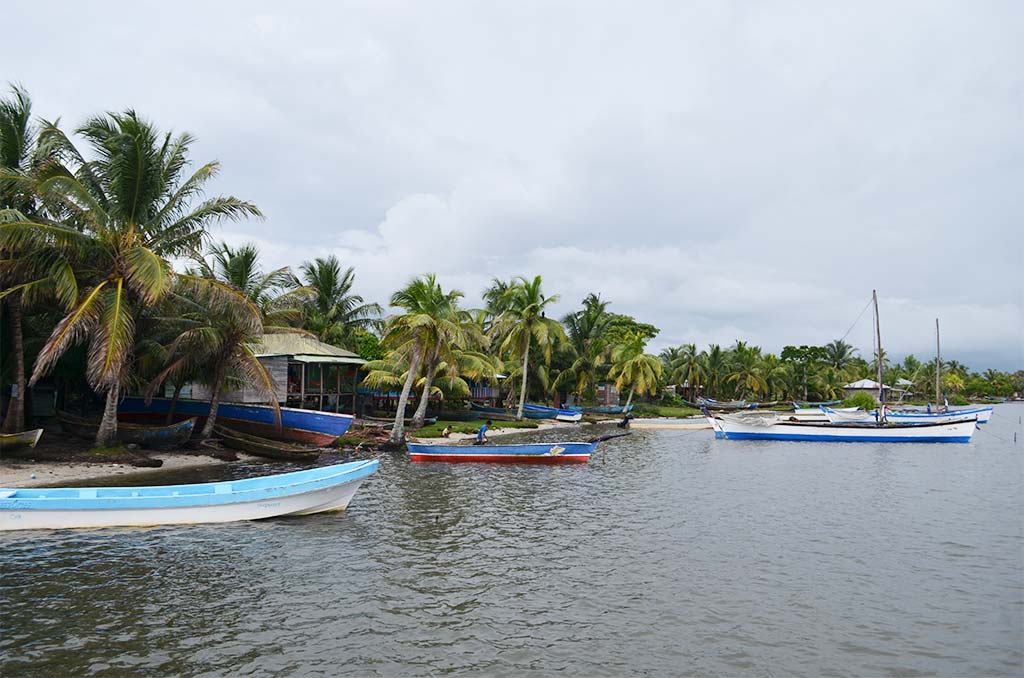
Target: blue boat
(554, 413)
(533, 453)
(316, 490)
(306, 426)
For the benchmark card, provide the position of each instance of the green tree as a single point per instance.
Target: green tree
(634, 368)
(838, 354)
(136, 211)
(523, 322)
(686, 367)
(430, 321)
(334, 314)
(586, 332)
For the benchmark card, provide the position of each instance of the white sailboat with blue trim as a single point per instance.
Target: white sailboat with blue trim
(858, 426)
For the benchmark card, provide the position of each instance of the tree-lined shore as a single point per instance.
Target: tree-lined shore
(92, 219)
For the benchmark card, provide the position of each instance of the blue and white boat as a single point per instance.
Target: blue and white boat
(532, 453)
(305, 426)
(979, 415)
(554, 413)
(738, 427)
(316, 490)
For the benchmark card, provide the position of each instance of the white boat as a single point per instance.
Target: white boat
(811, 413)
(747, 428)
(316, 490)
(570, 417)
(979, 415)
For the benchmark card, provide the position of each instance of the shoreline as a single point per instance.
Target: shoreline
(18, 473)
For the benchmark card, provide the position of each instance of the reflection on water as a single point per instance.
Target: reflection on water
(669, 554)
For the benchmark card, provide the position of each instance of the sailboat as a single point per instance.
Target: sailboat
(882, 427)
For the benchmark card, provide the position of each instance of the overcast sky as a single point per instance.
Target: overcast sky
(723, 170)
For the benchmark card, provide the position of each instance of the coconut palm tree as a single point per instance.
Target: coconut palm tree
(586, 332)
(427, 329)
(716, 367)
(277, 294)
(523, 322)
(839, 354)
(745, 371)
(136, 208)
(334, 314)
(634, 368)
(687, 368)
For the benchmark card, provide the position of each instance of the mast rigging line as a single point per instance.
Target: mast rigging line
(859, 316)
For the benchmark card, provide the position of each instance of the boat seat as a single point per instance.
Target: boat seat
(7, 494)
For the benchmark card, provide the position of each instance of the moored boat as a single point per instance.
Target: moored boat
(531, 453)
(609, 409)
(501, 412)
(748, 428)
(554, 413)
(147, 436)
(568, 416)
(304, 426)
(979, 415)
(10, 442)
(264, 447)
(316, 490)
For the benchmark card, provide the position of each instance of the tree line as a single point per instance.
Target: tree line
(91, 221)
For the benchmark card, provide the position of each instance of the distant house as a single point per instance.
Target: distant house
(607, 395)
(892, 393)
(307, 374)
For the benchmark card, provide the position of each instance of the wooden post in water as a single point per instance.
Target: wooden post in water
(938, 365)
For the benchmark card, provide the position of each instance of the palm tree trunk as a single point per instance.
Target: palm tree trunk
(522, 389)
(107, 433)
(15, 420)
(421, 410)
(628, 400)
(169, 419)
(218, 383)
(398, 430)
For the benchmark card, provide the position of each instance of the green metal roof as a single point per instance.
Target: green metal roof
(305, 348)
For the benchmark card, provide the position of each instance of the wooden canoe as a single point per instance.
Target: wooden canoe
(10, 442)
(263, 447)
(147, 436)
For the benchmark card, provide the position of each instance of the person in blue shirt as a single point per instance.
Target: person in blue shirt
(481, 437)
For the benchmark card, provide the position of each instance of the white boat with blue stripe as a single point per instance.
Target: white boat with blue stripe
(316, 490)
(979, 415)
(732, 427)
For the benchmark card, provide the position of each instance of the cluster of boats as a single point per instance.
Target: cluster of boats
(825, 424)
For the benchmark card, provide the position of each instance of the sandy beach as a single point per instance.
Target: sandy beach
(27, 473)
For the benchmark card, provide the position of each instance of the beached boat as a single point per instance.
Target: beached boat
(147, 436)
(303, 426)
(10, 442)
(713, 404)
(733, 427)
(533, 453)
(263, 447)
(316, 490)
(555, 413)
(457, 415)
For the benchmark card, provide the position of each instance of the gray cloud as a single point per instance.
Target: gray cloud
(722, 170)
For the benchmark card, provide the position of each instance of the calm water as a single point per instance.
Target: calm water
(669, 554)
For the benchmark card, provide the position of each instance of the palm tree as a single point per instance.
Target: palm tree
(224, 328)
(136, 212)
(429, 326)
(586, 330)
(334, 314)
(746, 371)
(524, 321)
(634, 368)
(839, 354)
(687, 368)
(277, 294)
(716, 367)
(775, 374)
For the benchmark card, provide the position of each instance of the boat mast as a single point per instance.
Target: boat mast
(878, 342)
(938, 363)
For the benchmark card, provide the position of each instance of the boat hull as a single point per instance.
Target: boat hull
(147, 436)
(853, 432)
(304, 426)
(9, 442)
(534, 453)
(329, 488)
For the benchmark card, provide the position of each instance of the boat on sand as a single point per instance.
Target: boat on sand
(10, 442)
(147, 436)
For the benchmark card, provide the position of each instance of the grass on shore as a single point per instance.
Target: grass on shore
(648, 410)
(434, 430)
